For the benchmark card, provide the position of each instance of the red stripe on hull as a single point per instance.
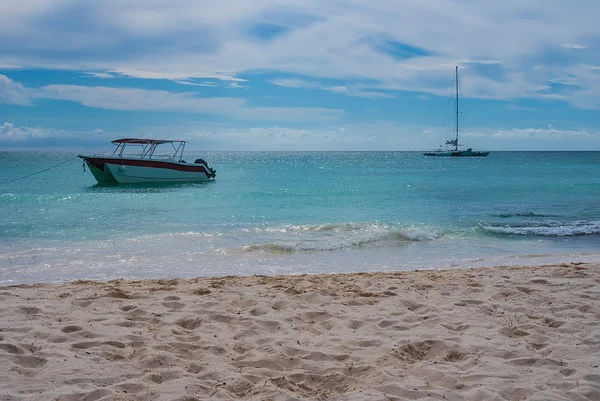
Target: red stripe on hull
(99, 163)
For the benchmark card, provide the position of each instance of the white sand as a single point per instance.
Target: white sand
(482, 334)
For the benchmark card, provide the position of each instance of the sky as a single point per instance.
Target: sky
(300, 74)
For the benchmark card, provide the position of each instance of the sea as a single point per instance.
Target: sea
(271, 213)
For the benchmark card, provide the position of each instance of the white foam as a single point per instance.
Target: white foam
(549, 229)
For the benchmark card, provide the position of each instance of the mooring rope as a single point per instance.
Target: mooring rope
(38, 172)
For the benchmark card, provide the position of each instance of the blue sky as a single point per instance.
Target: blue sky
(300, 74)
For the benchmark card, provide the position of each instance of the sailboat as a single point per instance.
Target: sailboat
(449, 150)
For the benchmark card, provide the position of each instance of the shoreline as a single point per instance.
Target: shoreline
(63, 272)
(502, 333)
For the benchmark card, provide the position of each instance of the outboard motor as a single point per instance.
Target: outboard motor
(213, 172)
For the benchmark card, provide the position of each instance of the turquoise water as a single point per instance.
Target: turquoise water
(299, 212)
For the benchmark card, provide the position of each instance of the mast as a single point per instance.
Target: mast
(456, 143)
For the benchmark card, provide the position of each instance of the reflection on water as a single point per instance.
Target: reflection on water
(150, 187)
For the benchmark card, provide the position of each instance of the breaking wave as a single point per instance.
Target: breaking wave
(332, 237)
(546, 229)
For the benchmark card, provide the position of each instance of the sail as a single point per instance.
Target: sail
(452, 142)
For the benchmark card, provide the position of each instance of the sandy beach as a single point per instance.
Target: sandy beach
(504, 333)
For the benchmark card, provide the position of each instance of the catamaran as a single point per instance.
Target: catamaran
(145, 166)
(448, 150)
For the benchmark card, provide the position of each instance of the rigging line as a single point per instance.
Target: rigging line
(38, 172)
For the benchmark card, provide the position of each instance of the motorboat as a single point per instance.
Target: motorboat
(146, 165)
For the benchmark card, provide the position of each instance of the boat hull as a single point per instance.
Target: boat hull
(458, 153)
(108, 170)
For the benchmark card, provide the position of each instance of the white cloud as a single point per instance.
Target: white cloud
(338, 90)
(351, 91)
(25, 137)
(183, 74)
(356, 137)
(236, 85)
(311, 114)
(101, 75)
(553, 96)
(575, 46)
(505, 46)
(384, 135)
(522, 139)
(130, 99)
(295, 83)
(191, 83)
(378, 136)
(482, 62)
(9, 133)
(212, 138)
(156, 100)
(544, 133)
(13, 92)
(139, 99)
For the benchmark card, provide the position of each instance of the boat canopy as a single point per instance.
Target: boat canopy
(148, 147)
(142, 141)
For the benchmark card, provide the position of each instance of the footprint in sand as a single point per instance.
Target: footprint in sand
(513, 332)
(411, 305)
(71, 329)
(536, 362)
(259, 311)
(11, 349)
(525, 290)
(118, 293)
(82, 304)
(130, 388)
(29, 310)
(113, 343)
(567, 372)
(419, 351)
(97, 394)
(455, 356)
(552, 323)
(201, 291)
(458, 327)
(195, 369)
(29, 361)
(173, 305)
(162, 377)
(189, 324)
(355, 324)
(279, 305)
